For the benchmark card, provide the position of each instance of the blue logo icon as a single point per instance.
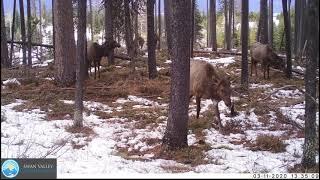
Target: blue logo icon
(10, 168)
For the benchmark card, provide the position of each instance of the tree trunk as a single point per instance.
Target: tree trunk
(65, 50)
(244, 43)
(151, 41)
(12, 32)
(81, 49)
(226, 23)
(270, 31)
(263, 22)
(4, 47)
(159, 23)
(40, 27)
(109, 27)
(213, 25)
(53, 32)
(168, 19)
(91, 19)
(229, 39)
(155, 16)
(23, 33)
(192, 39)
(177, 124)
(129, 33)
(312, 31)
(287, 30)
(29, 34)
(208, 21)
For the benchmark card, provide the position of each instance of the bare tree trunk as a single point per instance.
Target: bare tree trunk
(129, 33)
(168, 19)
(270, 23)
(176, 131)
(312, 30)
(287, 30)
(23, 33)
(81, 49)
(159, 23)
(213, 25)
(192, 27)
(29, 34)
(244, 43)
(91, 19)
(263, 22)
(4, 47)
(40, 24)
(226, 23)
(109, 27)
(208, 31)
(12, 32)
(155, 17)
(53, 32)
(151, 41)
(65, 49)
(229, 39)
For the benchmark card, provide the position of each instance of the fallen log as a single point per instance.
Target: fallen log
(217, 52)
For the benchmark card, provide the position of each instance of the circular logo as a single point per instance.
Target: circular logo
(10, 168)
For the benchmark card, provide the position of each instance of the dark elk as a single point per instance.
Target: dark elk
(263, 53)
(206, 83)
(139, 41)
(95, 52)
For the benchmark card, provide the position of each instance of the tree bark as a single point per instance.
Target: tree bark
(192, 27)
(176, 131)
(109, 28)
(29, 34)
(263, 22)
(65, 49)
(208, 22)
(312, 31)
(213, 25)
(151, 41)
(226, 24)
(270, 31)
(91, 19)
(12, 32)
(23, 33)
(244, 43)
(287, 30)
(159, 23)
(168, 19)
(229, 39)
(129, 33)
(4, 47)
(40, 27)
(81, 49)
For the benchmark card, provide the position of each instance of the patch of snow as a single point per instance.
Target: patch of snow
(168, 61)
(225, 61)
(11, 81)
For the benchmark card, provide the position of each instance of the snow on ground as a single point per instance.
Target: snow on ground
(10, 81)
(29, 134)
(225, 61)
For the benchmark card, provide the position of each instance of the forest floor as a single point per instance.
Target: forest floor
(125, 119)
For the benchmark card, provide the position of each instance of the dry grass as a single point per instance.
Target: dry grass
(269, 143)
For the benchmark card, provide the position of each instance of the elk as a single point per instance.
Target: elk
(263, 53)
(206, 83)
(139, 41)
(95, 52)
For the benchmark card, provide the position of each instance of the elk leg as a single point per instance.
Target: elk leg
(99, 69)
(217, 113)
(95, 66)
(268, 71)
(255, 67)
(198, 105)
(251, 66)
